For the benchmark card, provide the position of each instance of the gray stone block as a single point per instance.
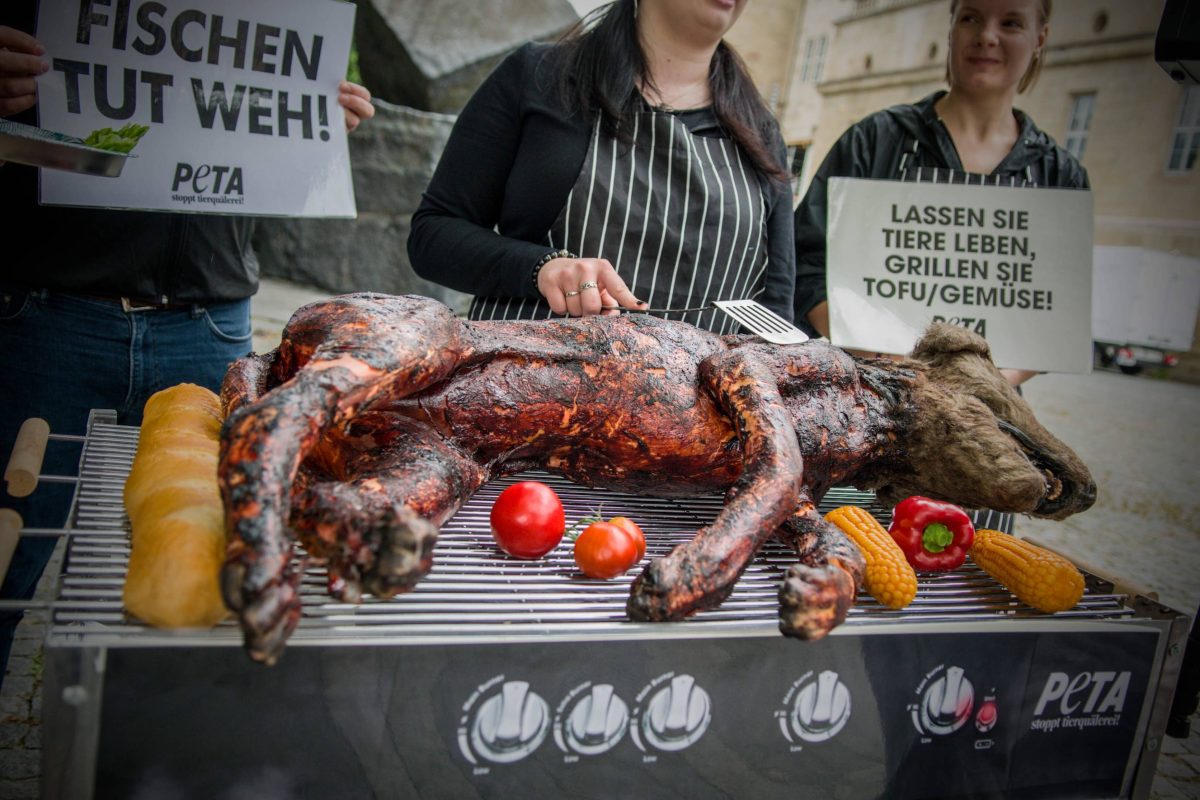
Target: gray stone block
(393, 158)
(18, 764)
(20, 790)
(13, 734)
(433, 54)
(19, 686)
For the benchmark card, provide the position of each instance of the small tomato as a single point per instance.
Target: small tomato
(528, 520)
(605, 550)
(631, 527)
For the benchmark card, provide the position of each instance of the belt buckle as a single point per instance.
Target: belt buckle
(128, 306)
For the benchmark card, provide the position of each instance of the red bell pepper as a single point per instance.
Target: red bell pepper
(934, 535)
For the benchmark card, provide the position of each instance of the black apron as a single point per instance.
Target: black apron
(681, 217)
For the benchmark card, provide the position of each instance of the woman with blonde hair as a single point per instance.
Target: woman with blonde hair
(969, 134)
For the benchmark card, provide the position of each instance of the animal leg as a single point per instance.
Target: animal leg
(701, 573)
(246, 380)
(820, 590)
(373, 348)
(377, 522)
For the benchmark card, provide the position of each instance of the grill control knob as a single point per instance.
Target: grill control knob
(821, 708)
(597, 722)
(511, 724)
(677, 714)
(946, 703)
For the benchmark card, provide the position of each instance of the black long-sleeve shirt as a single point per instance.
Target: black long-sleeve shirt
(149, 255)
(511, 160)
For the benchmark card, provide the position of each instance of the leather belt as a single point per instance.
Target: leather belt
(133, 304)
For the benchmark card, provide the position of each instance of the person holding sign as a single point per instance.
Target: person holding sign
(633, 165)
(100, 308)
(970, 134)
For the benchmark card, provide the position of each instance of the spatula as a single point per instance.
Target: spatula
(751, 314)
(762, 321)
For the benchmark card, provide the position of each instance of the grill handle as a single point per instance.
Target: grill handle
(10, 532)
(26, 460)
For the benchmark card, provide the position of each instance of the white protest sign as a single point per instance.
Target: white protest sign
(241, 100)
(1014, 265)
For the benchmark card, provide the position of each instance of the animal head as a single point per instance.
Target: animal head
(976, 442)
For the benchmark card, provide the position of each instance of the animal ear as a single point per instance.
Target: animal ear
(943, 339)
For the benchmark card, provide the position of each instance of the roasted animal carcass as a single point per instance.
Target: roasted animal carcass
(378, 416)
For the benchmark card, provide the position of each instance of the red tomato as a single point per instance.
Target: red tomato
(631, 527)
(605, 550)
(528, 520)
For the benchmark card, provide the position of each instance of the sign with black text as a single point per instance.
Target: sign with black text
(1014, 265)
(240, 100)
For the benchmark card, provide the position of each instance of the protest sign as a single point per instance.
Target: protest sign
(240, 99)
(1014, 265)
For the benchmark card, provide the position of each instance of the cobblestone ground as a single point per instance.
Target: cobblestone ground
(21, 701)
(1139, 436)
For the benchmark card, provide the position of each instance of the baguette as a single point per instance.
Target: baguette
(175, 512)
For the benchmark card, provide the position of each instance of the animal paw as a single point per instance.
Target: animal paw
(403, 544)
(814, 600)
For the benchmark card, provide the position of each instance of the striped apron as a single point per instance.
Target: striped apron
(681, 217)
(982, 518)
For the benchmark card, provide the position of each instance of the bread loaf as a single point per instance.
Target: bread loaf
(175, 512)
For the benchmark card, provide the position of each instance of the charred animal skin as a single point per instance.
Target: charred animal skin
(379, 416)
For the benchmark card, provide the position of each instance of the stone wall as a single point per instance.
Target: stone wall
(392, 157)
(433, 54)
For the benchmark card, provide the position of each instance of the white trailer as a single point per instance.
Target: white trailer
(1144, 305)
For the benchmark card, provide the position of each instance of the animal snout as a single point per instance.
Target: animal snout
(1087, 495)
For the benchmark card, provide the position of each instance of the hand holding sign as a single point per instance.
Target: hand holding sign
(1013, 265)
(240, 99)
(20, 64)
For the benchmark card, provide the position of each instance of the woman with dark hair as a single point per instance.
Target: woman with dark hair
(969, 134)
(632, 164)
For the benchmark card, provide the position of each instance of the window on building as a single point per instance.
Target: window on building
(796, 157)
(1185, 144)
(813, 66)
(1079, 122)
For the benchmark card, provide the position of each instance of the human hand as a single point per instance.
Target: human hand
(584, 286)
(356, 103)
(20, 64)
(1016, 377)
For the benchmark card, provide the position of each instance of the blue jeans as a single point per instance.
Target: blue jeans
(63, 355)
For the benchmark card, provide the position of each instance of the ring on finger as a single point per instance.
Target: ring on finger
(570, 294)
(588, 285)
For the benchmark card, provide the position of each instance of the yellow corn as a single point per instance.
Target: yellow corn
(889, 577)
(1037, 576)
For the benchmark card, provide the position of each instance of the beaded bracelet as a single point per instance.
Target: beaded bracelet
(546, 259)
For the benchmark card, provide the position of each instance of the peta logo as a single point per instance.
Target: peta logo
(1085, 693)
(215, 184)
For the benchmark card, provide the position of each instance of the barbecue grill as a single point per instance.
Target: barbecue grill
(504, 678)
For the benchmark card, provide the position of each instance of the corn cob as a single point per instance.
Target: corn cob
(1037, 576)
(889, 578)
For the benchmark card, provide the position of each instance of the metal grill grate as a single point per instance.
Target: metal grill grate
(474, 590)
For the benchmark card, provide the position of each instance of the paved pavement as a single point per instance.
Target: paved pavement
(1139, 436)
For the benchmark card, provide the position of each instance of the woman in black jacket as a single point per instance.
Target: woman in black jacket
(969, 134)
(633, 161)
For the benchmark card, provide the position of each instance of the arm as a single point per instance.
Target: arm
(452, 241)
(779, 290)
(850, 158)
